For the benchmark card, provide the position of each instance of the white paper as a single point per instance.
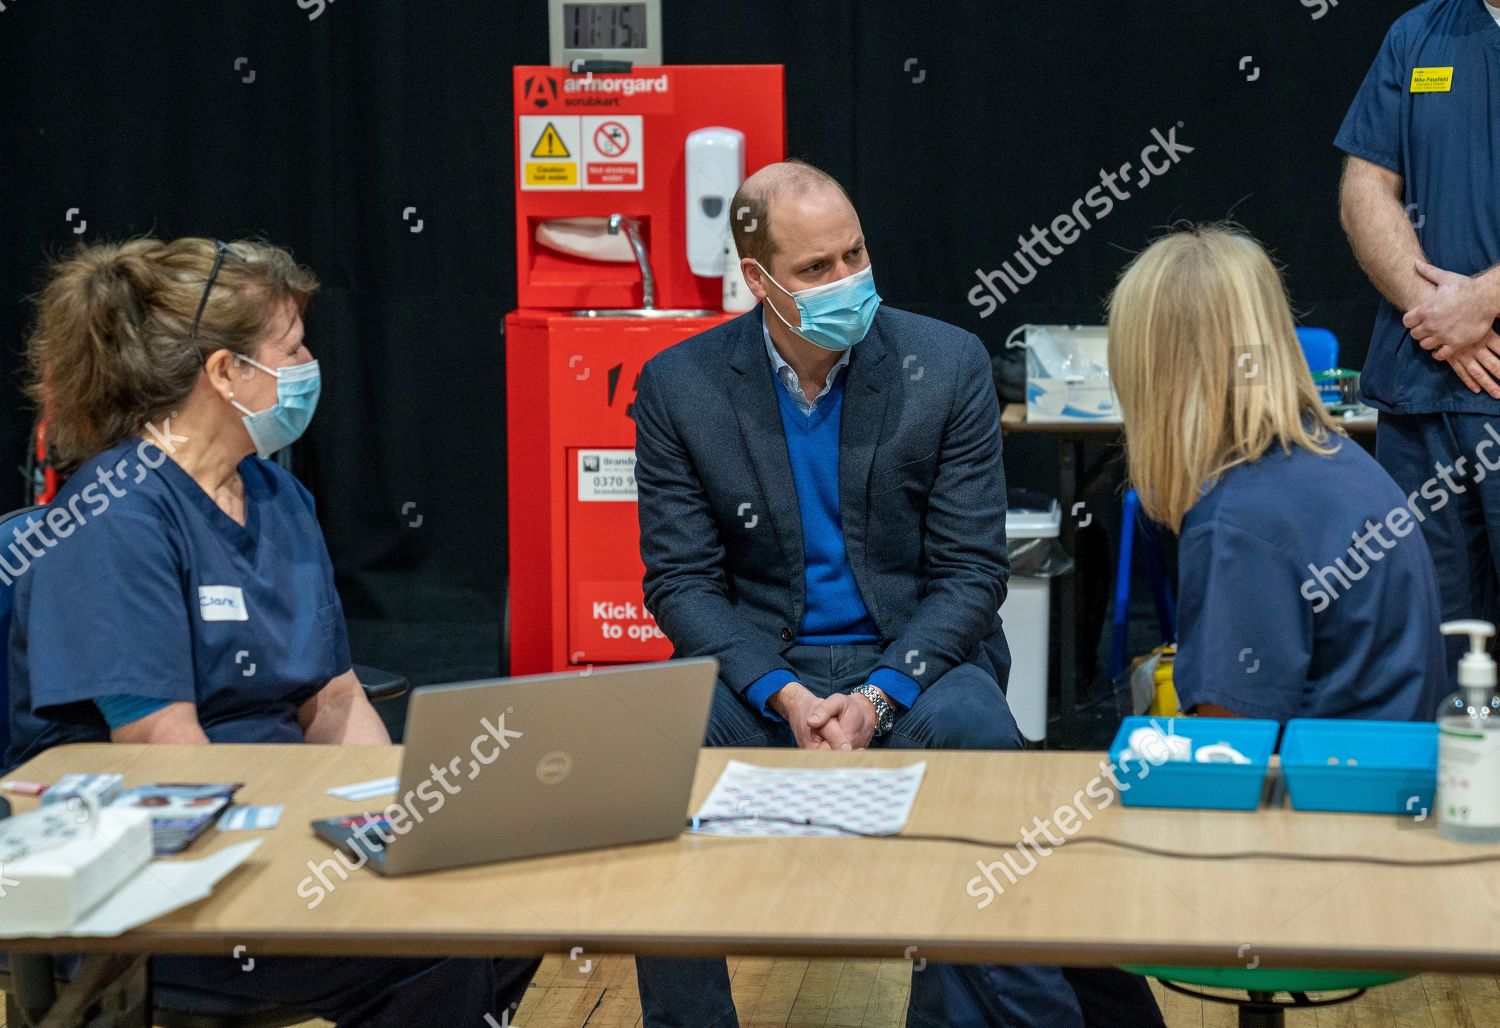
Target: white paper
(160, 887)
(868, 800)
(365, 790)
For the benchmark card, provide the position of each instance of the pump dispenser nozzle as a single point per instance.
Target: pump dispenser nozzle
(1477, 668)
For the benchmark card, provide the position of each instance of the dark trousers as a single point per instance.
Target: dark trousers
(368, 991)
(964, 709)
(1035, 996)
(1460, 522)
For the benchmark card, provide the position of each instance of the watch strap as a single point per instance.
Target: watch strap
(885, 711)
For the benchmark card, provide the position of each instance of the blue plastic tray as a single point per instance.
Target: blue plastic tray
(1395, 769)
(1189, 783)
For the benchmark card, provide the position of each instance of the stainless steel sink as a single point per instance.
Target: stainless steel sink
(648, 309)
(642, 312)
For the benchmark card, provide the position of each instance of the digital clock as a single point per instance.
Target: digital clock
(605, 30)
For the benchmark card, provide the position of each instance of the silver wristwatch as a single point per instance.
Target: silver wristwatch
(885, 713)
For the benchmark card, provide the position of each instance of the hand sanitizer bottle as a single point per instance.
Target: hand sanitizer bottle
(1468, 778)
(737, 296)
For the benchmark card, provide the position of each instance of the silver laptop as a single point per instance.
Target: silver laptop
(520, 767)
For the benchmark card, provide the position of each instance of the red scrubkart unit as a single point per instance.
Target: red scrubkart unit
(589, 146)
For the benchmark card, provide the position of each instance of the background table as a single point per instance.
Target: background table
(1084, 904)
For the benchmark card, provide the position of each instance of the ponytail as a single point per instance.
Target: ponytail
(111, 352)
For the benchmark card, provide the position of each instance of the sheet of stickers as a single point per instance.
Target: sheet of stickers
(760, 801)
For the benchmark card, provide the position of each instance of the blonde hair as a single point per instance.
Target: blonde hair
(1205, 362)
(111, 349)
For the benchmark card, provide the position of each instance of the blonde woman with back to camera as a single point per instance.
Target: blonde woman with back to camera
(1305, 589)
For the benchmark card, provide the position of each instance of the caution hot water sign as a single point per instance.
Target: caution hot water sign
(549, 153)
(565, 151)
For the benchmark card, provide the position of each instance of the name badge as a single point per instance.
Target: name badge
(1431, 80)
(222, 603)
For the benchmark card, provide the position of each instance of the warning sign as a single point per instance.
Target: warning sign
(566, 151)
(550, 144)
(550, 148)
(612, 152)
(611, 139)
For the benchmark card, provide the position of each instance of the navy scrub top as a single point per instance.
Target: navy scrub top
(1283, 614)
(148, 589)
(1446, 147)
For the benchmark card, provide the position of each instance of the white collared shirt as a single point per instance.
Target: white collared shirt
(788, 375)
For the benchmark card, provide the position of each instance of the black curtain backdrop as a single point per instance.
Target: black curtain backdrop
(955, 126)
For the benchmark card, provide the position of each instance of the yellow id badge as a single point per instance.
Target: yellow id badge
(1431, 80)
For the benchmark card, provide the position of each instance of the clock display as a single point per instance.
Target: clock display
(604, 26)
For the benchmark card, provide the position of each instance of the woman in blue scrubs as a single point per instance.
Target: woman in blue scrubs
(1306, 588)
(178, 589)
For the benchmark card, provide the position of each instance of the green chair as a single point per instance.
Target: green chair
(1261, 1008)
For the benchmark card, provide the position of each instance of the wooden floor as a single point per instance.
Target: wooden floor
(872, 994)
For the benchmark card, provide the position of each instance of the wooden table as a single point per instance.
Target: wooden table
(1083, 905)
(1070, 438)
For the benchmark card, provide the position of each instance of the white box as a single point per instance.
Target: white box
(49, 885)
(1067, 374)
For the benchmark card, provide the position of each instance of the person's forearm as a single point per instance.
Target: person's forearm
(784, 699)
(341, 714)
(1489, 281)
(176, 724)
(955, 615)
(1381, 235)
(359, 725)
(686, 585)
(693, 612)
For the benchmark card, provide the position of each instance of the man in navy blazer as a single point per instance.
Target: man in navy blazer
(914, 479)
(822, 508)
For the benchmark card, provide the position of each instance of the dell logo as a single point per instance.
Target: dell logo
(554, 767)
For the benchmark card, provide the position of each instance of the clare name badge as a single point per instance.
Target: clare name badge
(1431, 80)
(222, 603)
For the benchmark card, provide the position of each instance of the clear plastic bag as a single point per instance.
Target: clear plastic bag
(1038, 558)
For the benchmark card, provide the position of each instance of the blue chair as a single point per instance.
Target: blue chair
(8, 527)
(1132, 526)
(1320, 347)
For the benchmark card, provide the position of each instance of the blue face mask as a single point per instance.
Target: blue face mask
(282, 423)
(837, 315)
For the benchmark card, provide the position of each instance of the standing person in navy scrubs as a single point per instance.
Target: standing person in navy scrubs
(178, 589)
(1421, 205)
(1306, 590)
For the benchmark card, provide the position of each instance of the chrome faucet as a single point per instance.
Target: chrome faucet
(632, 228)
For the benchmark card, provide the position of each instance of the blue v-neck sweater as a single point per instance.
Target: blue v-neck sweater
(835, 613)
